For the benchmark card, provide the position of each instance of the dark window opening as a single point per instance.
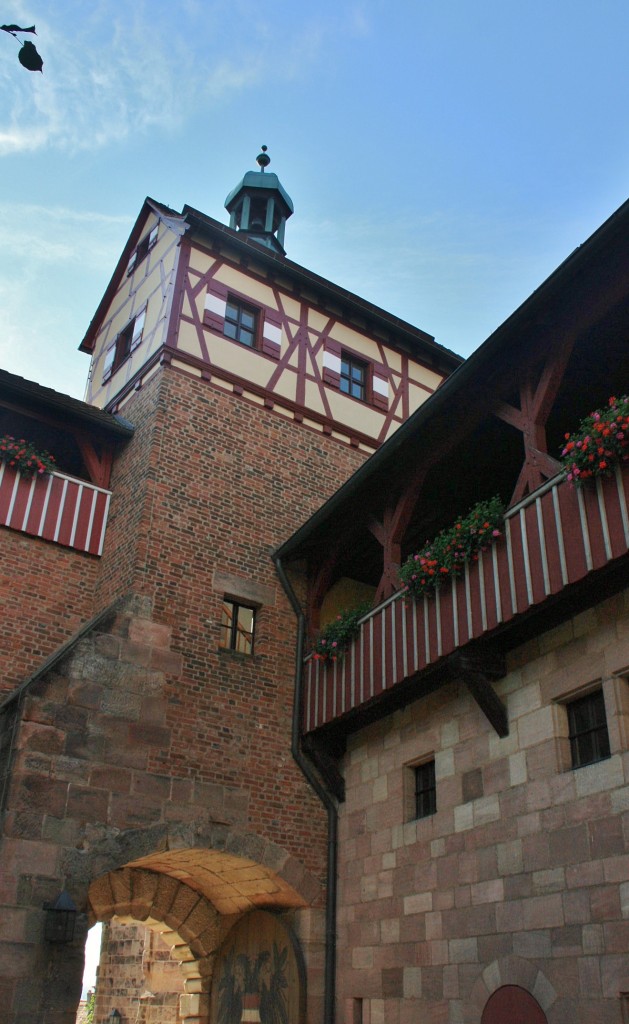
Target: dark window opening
(237, 627)
(142, 249)
(353, 377)
(241, 323)
(257, 215)
(589, 738)
(425, 789)
(128, 340)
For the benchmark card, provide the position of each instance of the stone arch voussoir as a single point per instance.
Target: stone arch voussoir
(185, 917)
(509, 970)
(164, 844)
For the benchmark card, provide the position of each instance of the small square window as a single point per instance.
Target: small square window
(587, 722)
(241, 323)
(237, 627)
(354, 377)
(425, 789)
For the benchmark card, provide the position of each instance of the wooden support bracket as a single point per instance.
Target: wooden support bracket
(326, 766)
(476, 671)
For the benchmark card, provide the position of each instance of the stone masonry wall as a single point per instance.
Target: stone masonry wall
(521, 876)
(83, 801)
(137, 976)
(149, 728)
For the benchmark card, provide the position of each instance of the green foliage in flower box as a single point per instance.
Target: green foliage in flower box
(445, 557)
(334, 638)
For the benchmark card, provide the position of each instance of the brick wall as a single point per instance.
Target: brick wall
(147, 728)
(520, 877)
(221, 483)
(46, 593)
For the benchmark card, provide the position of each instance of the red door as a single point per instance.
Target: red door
(512, 1005)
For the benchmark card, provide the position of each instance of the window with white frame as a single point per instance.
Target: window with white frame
(125, 343)
(142, 249)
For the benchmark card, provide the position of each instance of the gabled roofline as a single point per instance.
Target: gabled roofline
(458, 381)
(418, 341)
(34, 395)
(148, 206)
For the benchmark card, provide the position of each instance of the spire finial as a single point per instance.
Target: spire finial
(262, 159)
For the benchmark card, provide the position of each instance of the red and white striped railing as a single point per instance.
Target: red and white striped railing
(552, 539)
(55, 507)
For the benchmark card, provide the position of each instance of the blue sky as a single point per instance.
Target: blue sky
(443, 156)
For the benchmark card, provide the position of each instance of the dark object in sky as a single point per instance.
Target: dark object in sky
(16, 28)
(29, 57)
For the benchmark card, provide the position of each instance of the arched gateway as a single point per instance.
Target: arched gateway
(201, 902)
(511, 1004)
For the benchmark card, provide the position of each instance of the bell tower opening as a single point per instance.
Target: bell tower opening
(259, 206)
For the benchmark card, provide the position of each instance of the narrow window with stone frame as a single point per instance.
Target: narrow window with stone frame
(425, 789)
(237, 627)
(587, 725)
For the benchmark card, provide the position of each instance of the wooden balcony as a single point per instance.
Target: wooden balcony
(552, 539)
(55, 507)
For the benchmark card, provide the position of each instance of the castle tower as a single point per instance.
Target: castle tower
(148, 765)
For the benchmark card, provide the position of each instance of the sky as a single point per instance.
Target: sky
(443, 156)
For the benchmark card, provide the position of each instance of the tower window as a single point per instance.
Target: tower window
(237, 627)
(142, 249)
(354, 375)
(241, 323)
(589, 738)
(128, 340)
(425, 789)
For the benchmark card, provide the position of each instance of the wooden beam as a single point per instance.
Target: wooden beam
(476, 671)
(98, 467)
(326, 766)
(390, 532)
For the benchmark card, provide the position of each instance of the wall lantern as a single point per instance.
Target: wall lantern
(60, 919)
(115, 1017)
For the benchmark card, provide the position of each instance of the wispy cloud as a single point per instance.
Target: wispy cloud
(110, 75)
(40, 234)
(57, 261)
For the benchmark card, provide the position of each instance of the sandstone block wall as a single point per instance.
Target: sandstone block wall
(521, 876)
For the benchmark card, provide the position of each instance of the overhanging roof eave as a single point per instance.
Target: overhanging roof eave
(453, 385)
(37, 396)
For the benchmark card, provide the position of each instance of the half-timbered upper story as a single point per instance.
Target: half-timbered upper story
(497, 426)
(225, 305)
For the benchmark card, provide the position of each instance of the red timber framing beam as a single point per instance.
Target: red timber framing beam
(320, 581)
(536, 401)
(390, 532)
(98, 466)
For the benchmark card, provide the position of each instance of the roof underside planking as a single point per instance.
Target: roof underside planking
(560, 355)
